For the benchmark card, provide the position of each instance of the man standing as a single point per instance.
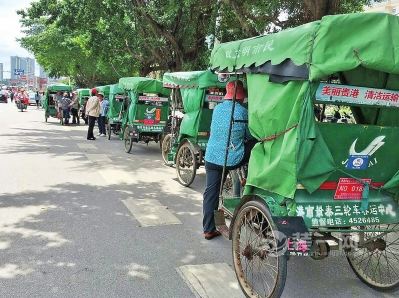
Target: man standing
(216, 151)
(75, 108)
(37, 99)
(92, 112)
(65, 102)
(103, 113)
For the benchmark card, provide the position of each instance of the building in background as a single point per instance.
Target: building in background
(22, 68)
(1, 72)
(388, 6)
(42, 73)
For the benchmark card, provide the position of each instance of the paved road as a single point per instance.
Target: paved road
(70, 226)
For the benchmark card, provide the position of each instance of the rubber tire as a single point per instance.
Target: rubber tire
(179, 152)
(45, 117)
(166, 142)
(392, 288)
(282, 260)
(126, 139)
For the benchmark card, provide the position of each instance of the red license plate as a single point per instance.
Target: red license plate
(349, 189)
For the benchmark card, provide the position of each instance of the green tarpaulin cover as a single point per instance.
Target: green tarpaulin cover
(104, 89)
(82, 94)
(192, 79)
(114, 105)
(340, 42)
(363, 48)
(53, 89)
(59, 87)
(192, 102)
(192, 85)
(143, 85)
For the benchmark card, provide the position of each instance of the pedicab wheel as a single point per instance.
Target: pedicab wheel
(165, 147)
(45, 117)
(186, 164)
(128, 140)
(109, 131)
(260, 267)
(376, 262)
(230, 187)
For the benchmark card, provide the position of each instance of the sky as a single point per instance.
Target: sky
(10, 30)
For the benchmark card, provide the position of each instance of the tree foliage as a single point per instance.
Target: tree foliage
(97, 41)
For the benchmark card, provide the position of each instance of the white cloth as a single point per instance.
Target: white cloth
(93, 106)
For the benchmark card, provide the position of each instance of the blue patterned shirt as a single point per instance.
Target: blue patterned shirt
(104, 107)
(216, 147)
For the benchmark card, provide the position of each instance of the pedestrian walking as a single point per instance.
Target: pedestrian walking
(104, 104)
(75, 108)
(92, 112)
(12, 95)
(37, 99)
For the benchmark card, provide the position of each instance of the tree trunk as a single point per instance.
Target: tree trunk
(242, 19)
(319, 8)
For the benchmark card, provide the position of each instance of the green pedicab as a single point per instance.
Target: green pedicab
(199, 92)
(116, 110)
(147, 113)
(50, 104)
(83, 96)
(105, 90)
(314, 185)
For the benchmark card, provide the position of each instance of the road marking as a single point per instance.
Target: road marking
(100, 158)
(211, 280)
(150, 212)
(85, 146)
(78, 138)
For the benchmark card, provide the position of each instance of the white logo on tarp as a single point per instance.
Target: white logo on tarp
(376, 144)
(370, 149)
(152, 111)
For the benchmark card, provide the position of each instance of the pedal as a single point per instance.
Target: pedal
(220, 223)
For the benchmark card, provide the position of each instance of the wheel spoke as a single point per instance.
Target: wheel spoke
(255, 247)
(377, 261)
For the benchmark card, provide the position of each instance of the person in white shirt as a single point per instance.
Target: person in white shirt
(92, 112)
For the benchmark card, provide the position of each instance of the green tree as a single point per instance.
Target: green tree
(98, 41)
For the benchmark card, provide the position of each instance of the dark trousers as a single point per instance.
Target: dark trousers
(101, 125)
(92, 123)
(75, 116)
(66, 115)
(214, 175)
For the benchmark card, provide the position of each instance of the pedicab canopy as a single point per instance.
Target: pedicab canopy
(58, 87)
(192, 85)
(82, 94)
(104, 89)
(143, 85)
(54, 89)
(134, 86)
(114, 104)
(284, 71)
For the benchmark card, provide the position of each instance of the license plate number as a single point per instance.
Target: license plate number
(349, 189)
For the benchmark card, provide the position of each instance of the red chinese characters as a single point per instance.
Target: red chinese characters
(326, 90)
(381, 96)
